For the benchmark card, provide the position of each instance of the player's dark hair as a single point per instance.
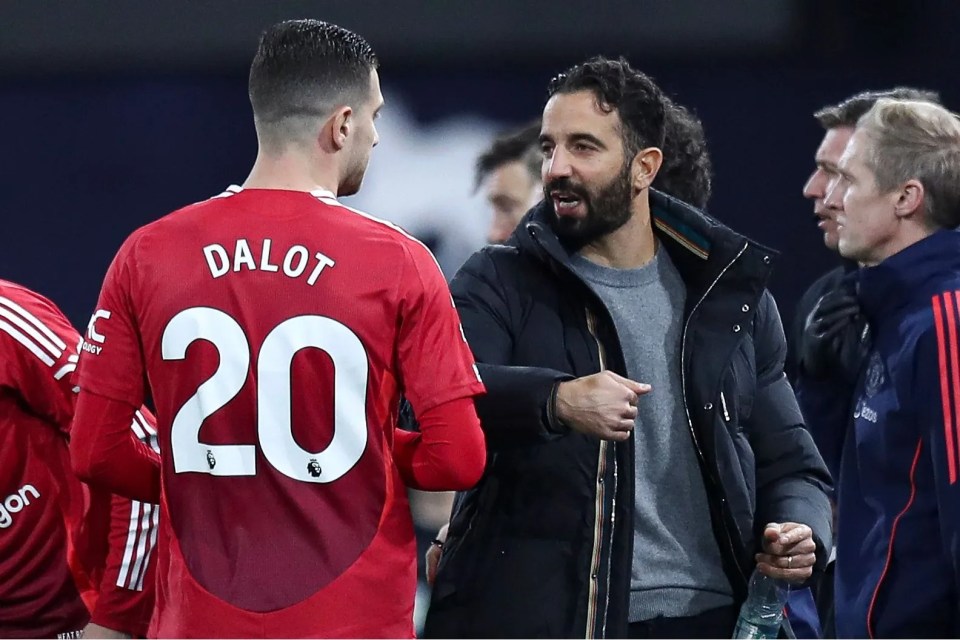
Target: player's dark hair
(686, 172)
(514, 146)
(619, 87)
(305, 68)
(847, 112)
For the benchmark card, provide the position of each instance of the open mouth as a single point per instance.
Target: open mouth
(565, 201)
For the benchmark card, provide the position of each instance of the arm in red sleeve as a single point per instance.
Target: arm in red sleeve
(448, 454)
(105, 452)
(38, 351)
(127, 589)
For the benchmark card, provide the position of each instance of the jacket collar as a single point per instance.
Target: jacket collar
(915, 271)
(698, 244)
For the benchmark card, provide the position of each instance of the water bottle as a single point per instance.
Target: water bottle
(761, 614)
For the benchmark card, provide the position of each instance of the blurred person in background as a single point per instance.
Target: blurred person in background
(72, 559)
(897, 197)
(607, 278)
(825, 353)
(508, 175)
(275, 329)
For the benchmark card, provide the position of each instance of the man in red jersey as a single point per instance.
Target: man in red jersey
(277, 329)
(66, 556)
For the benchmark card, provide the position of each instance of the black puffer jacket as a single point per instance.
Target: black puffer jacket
(543, 545)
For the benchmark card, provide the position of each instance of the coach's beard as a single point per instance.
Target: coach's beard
(606, 211)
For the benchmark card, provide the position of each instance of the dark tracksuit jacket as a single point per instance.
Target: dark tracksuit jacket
(898, 549)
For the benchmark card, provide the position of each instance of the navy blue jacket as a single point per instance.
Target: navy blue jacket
(898, 549)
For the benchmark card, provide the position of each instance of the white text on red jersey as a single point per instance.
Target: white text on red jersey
(296, 261)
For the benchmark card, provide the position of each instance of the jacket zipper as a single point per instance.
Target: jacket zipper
(723, 405)
(592, 592)
(686, 408)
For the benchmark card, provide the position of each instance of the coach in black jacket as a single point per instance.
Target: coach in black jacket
(543, 546)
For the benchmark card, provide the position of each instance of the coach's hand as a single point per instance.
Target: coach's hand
(434, 553)
(602, 405)
(789, 552)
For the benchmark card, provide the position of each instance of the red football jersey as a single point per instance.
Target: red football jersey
(277, 330)
(125, 599)
(53, 531)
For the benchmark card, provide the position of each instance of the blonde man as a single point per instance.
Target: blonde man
(898, 549)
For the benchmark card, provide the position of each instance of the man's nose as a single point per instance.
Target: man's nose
(557, 165)
(816, 185)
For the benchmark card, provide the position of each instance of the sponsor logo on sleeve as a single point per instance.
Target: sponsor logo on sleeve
(94, 338)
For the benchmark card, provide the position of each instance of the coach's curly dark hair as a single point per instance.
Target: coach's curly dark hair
(616, 85)
(686, 172)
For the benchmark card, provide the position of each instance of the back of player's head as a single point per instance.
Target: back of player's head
(619, 87)
(686, 172)
(919, 140)
(515, 146)
(847, 112)
(302, 70)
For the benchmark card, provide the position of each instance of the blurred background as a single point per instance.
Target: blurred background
(113, 113)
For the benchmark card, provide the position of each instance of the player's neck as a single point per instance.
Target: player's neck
(290, 172)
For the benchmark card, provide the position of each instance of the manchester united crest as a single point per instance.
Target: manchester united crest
(875, 375)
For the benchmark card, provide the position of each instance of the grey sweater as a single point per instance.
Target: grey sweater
(677, 568)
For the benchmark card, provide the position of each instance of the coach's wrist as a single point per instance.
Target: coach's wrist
(553, 422)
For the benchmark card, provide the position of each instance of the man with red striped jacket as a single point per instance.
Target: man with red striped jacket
(898, 546)
(70, 558)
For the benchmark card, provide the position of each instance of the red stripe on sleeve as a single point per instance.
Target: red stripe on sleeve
(945, 384)
(893, 536)
(955, 372)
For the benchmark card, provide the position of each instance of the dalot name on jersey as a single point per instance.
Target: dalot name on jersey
(296, 262)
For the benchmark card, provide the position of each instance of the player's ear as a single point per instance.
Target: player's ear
(338, 127)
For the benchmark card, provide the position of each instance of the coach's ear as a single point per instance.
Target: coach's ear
(644, 168)
(337, 128)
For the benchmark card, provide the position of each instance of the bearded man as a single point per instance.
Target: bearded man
(645, 449)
